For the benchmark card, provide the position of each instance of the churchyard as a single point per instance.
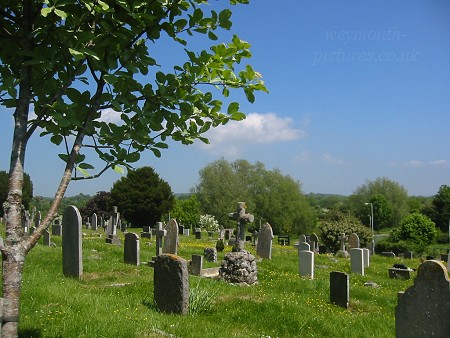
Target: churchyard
(110, 298)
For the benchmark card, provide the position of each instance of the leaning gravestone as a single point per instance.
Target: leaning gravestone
(171, 284)
(71, 243)
(423, 310)
(131, 250)
(264, 244)
(339, 289)
(171, 240)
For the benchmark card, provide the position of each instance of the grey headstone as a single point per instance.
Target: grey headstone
(94, 222)
(302, 239)
(186, 232)
(171, 240)
(306, 263)
(227, 234)
(171, 284)
(131, 250)
(339, 289)
(46, 238)
(71, 243)
(181, 229)
(160, 233)
(408, 255)
(56, 228)
(264, 245)
(400, 273)
(388, 254)
(198, 233)
(303, 246)
(424, 308)
(210, 254)
(366, 253)
(357, 260)
(353, 241)
(37, 219)
(197, 265)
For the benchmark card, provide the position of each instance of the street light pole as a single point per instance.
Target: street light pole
(371, 225)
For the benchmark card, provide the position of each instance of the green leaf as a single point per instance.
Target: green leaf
(46, 11)
(118, 169)
(238, 116)
(56, 139)
(82, 171)
(76, 54)
(233, 108)
(212, 36)
(64, 157)
(61, 14)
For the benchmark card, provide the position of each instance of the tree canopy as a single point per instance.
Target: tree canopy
(439, 210)
(142, 197)
(269, 195)
(65, 66)
(27, 192)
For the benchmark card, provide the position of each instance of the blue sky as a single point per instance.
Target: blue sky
(358, 90)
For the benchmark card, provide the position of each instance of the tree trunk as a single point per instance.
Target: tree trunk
(12, 280)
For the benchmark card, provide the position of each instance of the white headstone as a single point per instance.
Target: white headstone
(357, 260)
(306, 263)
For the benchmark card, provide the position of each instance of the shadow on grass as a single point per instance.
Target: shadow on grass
(30, 333)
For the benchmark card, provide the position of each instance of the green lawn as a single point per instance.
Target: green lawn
(116, 300)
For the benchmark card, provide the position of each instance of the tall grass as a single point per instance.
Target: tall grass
(114, 299)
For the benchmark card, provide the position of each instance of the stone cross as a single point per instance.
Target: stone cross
(342, 238)
(160, 233)
(242, 219)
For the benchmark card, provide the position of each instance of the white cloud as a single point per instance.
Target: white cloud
(255, 129)
(304, 156)
(440, 163)
(331, 159)
(110, 116)
(414, 163)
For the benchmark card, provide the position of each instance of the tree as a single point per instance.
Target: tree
(395, 194)
(75, 62)
(268, 194)
(416, 229)
(187, 211)
(382, 210)
(142, 197)
(335, 223)
(98, 204)
(439, 211)
(27, 192)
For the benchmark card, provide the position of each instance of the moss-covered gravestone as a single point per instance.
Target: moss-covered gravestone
(171, 284)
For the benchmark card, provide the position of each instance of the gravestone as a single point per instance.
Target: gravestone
(210, 254)
(131, 250)
(160, 233)
(56, 228)
(302, 239)
(197, 265)
(187, 232)
(408, 255)
(314, 242)
(304, 247)
(342, 252)
(353, 241)
(389, 254)
(227, 234)
(264, 244)
(357, 260)
(402, 273)
(198, 233)
(46, 238)
(111, 229)
(242, 219)
(171, 240)
(37, 219)
(181, 229)
(26, 222)
(71, 243)
(423, 310)
(366, 254)
(306, 263)
(94, 222)
(146, 232)
(339, 289)
(171, 284)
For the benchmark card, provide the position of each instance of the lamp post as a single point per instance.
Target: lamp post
(371, 226)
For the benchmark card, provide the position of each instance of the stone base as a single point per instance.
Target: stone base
(239, 267)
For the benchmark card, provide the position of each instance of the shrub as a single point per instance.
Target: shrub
(417, 229)
(337, 223)
(208, 223)
(385, 245)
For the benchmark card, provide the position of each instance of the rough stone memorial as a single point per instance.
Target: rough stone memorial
(171, 239)
(264, 243)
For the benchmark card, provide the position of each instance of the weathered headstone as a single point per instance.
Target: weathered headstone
(339, 289)
(94, 222)
(303, 246)
(314, 242)
(187, 232)
(210, 254)
(111, 229)
(302, 239)
(227, 234)
(197, 265)
(242, 219)
(342, 251)
(171, 240)
(306, 263)
(181, 229)
(71, 243)
(357, 260)
(423, 310)
(146, 232)
(408, 255)
(389, 254)
(171, 284)
(46, 238)
(56, 228)
(160, 234)
(264, 245)
(403, 273)
(353, 241)
(198, 233)
(131, 250)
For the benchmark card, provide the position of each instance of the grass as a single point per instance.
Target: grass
(116, 300)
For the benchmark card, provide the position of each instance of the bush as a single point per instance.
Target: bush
(336, 223)
(385, 245)
(208, 223)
